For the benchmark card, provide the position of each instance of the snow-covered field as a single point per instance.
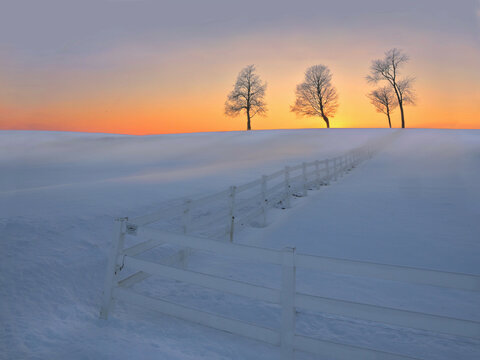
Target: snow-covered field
(415, 203)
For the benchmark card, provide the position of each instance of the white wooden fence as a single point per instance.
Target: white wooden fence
(126, 269)
(125, 261)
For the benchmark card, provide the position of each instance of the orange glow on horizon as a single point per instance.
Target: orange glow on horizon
(185, 92)
(149, 118)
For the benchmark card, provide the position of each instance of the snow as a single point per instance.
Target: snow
(415, 203)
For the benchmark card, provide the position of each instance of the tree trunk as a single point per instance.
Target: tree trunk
(326, 121)
(400, 103)
(248, 120)
(403, 115)
(389, 121)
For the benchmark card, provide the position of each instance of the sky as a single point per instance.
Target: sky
(150, 67)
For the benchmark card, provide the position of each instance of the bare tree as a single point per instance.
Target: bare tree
(316, 96)
(384, 101)
(388, 69)
(247, 94)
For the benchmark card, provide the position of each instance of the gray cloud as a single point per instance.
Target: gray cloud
(39, 31)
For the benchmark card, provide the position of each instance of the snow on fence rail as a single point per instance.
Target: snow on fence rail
(124, 261)
(218, 215)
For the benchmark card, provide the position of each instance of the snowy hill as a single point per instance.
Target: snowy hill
(415, 203)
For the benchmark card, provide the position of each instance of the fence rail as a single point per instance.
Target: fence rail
(390, 272)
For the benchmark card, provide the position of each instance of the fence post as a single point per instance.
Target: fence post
(317, 174)
(186, 220)
(187, 216)
(113, 265)
(288, 303)
(304, 177)
(327, 170)
(287, 186)
(335, 170)
(231, 220)
(264, 200)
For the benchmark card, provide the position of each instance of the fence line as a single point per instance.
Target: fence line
(240, 205)
(289, 299)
